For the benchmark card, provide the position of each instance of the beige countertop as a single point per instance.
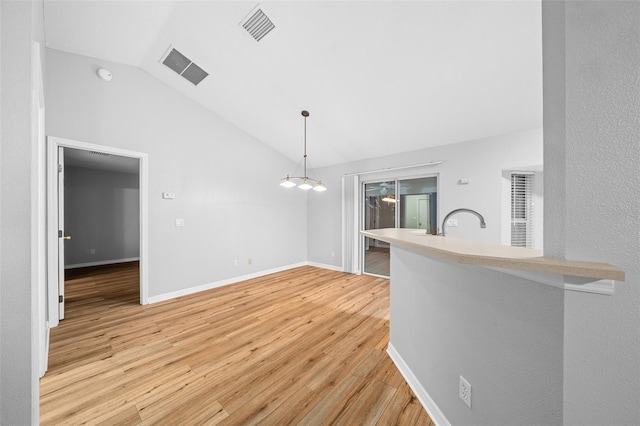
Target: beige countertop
(492, 255)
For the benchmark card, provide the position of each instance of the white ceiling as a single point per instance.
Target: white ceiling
(378, 77)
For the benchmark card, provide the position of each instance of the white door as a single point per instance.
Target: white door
(423, 213)
(62, 237)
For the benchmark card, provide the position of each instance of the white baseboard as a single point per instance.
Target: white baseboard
(325, 266)
(209, 286)
(101, 262)
(427, 402)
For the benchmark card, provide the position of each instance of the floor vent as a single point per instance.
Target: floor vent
(184, 67)
(258, 24)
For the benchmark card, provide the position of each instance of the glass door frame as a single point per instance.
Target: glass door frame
(363, 217)
(387, 177)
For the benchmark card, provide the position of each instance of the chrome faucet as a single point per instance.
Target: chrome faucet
(483, 224)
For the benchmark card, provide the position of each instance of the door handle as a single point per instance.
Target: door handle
(67, 237)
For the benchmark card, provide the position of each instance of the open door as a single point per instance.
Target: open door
(57, 237)
(61, 235)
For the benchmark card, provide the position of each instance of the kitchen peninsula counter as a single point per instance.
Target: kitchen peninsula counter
(492, 255)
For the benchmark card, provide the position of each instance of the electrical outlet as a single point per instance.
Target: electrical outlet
(452, 222)
(93, 251)
(333, 254)
(249, 261)
(235, 262)
(465, 391)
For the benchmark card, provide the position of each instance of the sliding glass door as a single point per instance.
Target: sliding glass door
(402, 203)
(379, 212)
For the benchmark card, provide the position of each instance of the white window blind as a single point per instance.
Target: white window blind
(522, 210)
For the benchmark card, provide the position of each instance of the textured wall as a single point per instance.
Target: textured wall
(592, 189)
(21, 24)
(501, 333)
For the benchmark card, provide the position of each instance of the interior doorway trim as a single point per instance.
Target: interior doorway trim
(53, 143)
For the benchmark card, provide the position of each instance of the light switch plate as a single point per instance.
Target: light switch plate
(465, 391)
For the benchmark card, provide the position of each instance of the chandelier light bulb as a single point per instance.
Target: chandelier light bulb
(287, 182)
(320, 187)
(305, 185)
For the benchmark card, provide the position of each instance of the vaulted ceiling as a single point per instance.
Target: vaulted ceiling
(378, 77)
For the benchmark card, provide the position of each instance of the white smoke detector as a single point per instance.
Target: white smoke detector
(105, 74)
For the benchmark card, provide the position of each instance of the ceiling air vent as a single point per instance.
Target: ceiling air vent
(258, 24)
(185, 67)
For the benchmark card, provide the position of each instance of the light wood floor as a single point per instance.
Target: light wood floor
(305, 346)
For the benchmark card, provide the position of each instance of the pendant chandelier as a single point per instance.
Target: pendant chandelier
(303, 182)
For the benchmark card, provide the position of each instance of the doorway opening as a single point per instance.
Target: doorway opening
(396, 203)
(107, 220)
(101, 225)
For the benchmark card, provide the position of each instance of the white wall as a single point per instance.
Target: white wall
(102, 213)
(592, 197)
(502, 334)
(1, 211)
(538, 210)
(225, 181)
(482, 161)
(21, 23)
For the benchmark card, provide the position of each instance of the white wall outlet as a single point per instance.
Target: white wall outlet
(168, 195)
(235, 262)
(465, 181)
(93, 251)
(452, 222)
(249, 261)
(333, 254)
(179, 222)
(465, 391)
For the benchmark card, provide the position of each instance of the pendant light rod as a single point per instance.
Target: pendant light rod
(305, 114)
(306, 181)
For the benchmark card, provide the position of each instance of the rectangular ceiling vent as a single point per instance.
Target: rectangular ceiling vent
(185, 67)
(258, 24)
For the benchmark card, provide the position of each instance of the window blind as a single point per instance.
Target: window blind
(522, 210)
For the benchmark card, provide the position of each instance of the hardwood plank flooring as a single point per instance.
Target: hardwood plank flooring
(304, 346)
